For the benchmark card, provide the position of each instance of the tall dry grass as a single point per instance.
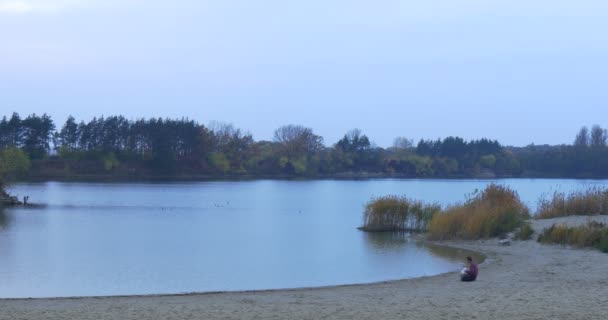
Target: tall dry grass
(397, 213)
(593, 201)
(494, 211)
(593, 235)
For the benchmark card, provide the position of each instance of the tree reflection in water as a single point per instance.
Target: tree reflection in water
(4, 218)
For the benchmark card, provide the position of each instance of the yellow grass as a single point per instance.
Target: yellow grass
(494, 211)
(593, 201)
(591, 235)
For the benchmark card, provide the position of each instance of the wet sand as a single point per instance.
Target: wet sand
(523, 281)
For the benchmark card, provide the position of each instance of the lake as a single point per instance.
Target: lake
(151, 238)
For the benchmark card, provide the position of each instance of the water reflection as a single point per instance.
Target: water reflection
(397, 241)
(451, 253)
(4, 219)
(387, 240)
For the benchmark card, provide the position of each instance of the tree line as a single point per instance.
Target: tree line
(116, 146)
(586, 157)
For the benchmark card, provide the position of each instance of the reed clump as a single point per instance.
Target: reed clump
(593, 201)
(495, 211)
(397, 213)
(593, 234)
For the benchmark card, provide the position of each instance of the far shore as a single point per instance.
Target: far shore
(526, 280)
(212, 178)
(245, 177)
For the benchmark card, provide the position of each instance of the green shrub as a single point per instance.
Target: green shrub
(603, 245)
(110, 162)
(13, 162)
(219, 161)
(495, 211)
(397, 213)
(525, 232)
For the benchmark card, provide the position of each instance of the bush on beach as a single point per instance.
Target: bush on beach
(525, 232)
(397, 213)
(593, 235)
(495, 211)
(593, 201)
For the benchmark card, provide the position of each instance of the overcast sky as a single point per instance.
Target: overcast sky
(519, 71)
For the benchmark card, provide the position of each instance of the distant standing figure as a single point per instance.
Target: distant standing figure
(25, 199)
(470, 272)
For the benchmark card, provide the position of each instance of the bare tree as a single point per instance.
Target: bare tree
(231, 142)
(403, 143)
(297, 140)
(225, 133)
(354, 134)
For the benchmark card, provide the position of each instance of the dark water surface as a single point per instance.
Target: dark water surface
(147, 238)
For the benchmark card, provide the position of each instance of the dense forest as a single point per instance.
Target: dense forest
(118, 148)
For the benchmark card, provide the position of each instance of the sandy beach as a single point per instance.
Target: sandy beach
(526, 280)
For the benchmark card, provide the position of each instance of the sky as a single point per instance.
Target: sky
(519, 71)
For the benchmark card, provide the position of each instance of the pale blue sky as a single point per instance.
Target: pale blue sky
(519, 71)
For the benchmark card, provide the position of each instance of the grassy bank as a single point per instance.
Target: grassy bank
(593, 201)
(594, 235)
(493, 212)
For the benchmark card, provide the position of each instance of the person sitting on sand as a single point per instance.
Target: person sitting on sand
(470, 271)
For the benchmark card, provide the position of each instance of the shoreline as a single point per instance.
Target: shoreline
(526, 280)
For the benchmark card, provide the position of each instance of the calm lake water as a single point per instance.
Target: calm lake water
(142, 238)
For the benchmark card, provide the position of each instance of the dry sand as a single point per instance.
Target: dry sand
(523, 281)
